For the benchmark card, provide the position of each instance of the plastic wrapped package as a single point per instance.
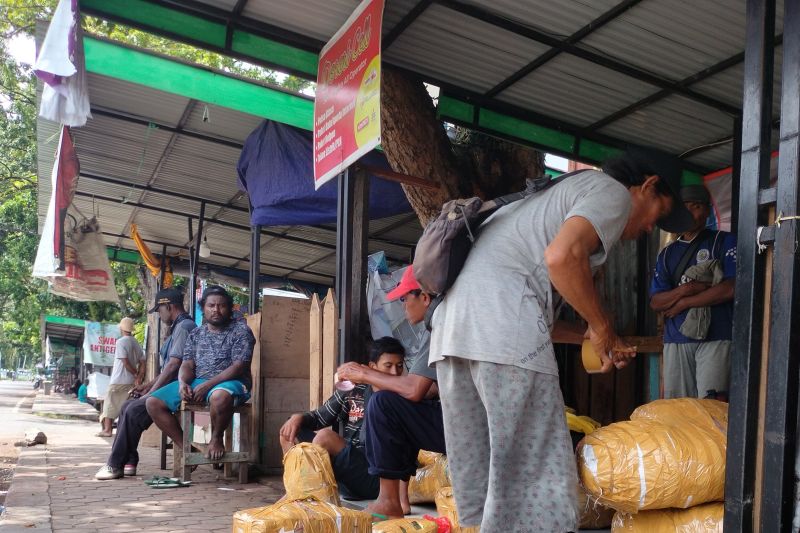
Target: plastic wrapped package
(429, 479)
(706, 518)
(592, 514)
(426, 458)
(446, 506)
(302, 516)
(405, 525)
(307, 473)
(670, 455)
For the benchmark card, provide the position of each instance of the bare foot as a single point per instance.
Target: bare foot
(385, 510)
(102, 434)
(215, 449)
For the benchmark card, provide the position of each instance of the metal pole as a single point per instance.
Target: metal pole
(196, 260)
(255, 269)
(749, 303)
(780, 421)
(160, 286)
(344, 252)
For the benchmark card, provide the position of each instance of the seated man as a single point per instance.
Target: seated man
(348, 407)
(215, 369)
(405, 415)
(133, 418)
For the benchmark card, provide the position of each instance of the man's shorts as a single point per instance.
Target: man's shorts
(115, 397)
(350, 470)
(170, 393)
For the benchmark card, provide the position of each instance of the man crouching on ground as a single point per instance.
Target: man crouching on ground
(215, 369)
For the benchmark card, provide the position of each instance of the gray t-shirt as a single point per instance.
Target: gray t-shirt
(420, 366)
(128, 348)
(501, 307)
(215, 351)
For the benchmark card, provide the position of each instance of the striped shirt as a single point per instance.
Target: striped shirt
(345, 407)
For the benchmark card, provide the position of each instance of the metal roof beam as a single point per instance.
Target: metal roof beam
(686, 82)
(596, 24)
(404, 23)
(572, 49)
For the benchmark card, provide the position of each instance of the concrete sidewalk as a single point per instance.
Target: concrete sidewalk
(54, 487)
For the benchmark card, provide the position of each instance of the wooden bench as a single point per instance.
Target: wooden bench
(185, 459)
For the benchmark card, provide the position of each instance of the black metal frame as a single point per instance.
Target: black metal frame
(748, 311)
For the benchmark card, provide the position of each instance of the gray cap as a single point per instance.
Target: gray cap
(695, 193)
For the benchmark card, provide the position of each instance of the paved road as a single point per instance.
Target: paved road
(16, 400)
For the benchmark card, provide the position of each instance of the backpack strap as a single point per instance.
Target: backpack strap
(532, 186)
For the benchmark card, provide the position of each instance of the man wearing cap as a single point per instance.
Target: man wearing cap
(215, 370)
(693, 286)
(404, 416)
(134, 419)
(129, 364)
(510, 455)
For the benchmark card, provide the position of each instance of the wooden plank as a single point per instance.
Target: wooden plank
(284, 337)
(229, 457)
(315, 398)
(330, 342)
(255, 427)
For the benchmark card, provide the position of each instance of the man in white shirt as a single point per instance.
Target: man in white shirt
(129, 364)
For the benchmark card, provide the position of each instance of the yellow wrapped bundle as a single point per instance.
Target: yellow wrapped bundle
(428, 479)
(706, 518)
(581, 424)
(303, 516)
(591, 513)
(405, 525)
(446, 506)
(307, 473)
(670, 455)
(426, 458)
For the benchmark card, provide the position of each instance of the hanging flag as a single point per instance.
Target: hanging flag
(150, 259)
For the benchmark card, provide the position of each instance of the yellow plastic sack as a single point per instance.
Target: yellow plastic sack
(706, 518)
(670, 455)
(307, 473)
(580, 424)
(405, 525)
(428, 479)
(591, 513)
(426, 458)
(303, 516)
(446, 506)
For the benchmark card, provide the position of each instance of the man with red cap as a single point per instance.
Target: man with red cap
(404, 416)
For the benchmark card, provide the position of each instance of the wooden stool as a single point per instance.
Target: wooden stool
(184, 459)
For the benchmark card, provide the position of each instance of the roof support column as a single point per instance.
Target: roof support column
(748, 312)
(255, 269)
(780, 418)
(352, 225)
(195, 260)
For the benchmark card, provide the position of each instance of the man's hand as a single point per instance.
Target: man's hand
(291, 428)
(142, 389)
(185, 391)
(200, 392)
(677, 308)
(690, 288)
(611, 349)
(352, 372)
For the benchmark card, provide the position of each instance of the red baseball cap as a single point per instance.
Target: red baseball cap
(407, 284)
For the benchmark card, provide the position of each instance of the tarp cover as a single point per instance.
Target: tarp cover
(275, 169)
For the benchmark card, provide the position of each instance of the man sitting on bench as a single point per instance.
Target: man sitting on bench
(349, 460)
(215, 369)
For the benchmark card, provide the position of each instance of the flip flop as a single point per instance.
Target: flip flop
(166, 482)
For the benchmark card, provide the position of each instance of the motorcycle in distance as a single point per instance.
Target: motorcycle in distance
(37, 382)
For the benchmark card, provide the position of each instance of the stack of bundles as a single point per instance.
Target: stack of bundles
(706, 518)
(302, 516)
(307, 473)
(446, 506)
(670, 455)
(406, 525)
(428, 480)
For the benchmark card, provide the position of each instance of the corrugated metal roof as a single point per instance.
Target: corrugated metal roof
(460, 49)
(318, 19)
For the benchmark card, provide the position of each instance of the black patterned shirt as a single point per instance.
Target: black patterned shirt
(214, 351)
(346, 407)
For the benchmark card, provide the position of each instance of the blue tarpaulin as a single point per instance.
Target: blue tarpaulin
(275, 169)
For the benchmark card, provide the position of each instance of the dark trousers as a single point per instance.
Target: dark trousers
(133, 421)
(397, 429)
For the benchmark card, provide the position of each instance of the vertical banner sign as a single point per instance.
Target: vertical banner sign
(99, 343)
(347, 107)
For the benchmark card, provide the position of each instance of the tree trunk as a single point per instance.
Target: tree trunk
(473, 164)
(148, 285)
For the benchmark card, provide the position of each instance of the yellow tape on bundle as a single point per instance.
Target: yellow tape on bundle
(302, 516)
(428, 479)
(446, 506)
(307, 472)
(405, 525)
(426, 458)
(706, 518)
(670, 455)
(592, 514)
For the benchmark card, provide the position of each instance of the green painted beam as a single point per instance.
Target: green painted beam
(124, 256)
(123, 63)
(177, 24)
(67, 321)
